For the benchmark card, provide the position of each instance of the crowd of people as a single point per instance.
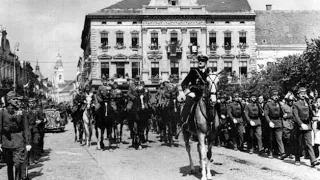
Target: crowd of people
(22, 124)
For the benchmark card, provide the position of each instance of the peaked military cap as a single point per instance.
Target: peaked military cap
(274, 92)
(253, 94)
(235, 94)
(302, 89)
(203, 58)
(11, 95)
(137, 78)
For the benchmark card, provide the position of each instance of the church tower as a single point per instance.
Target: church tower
(58, 72)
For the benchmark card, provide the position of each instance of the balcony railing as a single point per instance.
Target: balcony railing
(154, 47)
(213, 48)
(155, 79)
(119, 46)
(242, 46)
(193, 49)
(174, 49)
(227, 48)
(104, 46)
(135, 48)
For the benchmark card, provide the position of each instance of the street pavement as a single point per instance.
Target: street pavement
(66, 160)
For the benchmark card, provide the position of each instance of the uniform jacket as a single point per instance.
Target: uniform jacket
(14, 129)
(160, 97)
(301, 113)
(252, 113)
(235, 110)
(273, 113)
(193, 82)
(288, 121)
(171, 91)
(222, 110)
(132, 92)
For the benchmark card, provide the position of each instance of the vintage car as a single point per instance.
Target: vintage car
(53, 119)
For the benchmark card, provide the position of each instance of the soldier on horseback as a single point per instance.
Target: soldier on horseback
(193, 85)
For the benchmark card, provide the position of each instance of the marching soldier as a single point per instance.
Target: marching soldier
(288, 125)
(15, 138)
(235, 112)
(222, 110)
(41, 125)
(254, 123)
(302, 115)
(273, 114)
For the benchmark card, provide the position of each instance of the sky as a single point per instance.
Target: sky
(45, 28)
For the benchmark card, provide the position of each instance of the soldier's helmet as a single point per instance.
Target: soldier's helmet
(253, 94)
(12, 99)
(235, 95)
(203, 58)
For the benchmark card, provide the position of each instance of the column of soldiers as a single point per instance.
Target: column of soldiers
(282, 126)
(21, 134)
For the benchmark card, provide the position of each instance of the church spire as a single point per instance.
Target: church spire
(37, 66)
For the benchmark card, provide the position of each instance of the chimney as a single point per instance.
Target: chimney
(269, 7)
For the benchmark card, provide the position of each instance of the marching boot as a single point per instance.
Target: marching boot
(10, 172)
(18, 172)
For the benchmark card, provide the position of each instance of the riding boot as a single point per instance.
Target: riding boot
(18, 172)
(10, 172)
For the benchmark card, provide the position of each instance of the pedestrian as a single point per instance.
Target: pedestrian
(15, 138)
(316, 128)
(222, 110)
(254, 124)
(273, 114)
(302, 114)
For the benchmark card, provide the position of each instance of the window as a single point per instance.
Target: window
(135, 40)
(193, 64)
(120, 69)
(174, 37)
(193, 38)
(119, 38)
(154, 41)
(134, 22)
(243, 68)
(212, 38)
(103, 22)
(104, 38)
(212, 22)
(227, 40)
(228, 67)
(213, 65)
(227, 22)
(241, 22)
(154, 70)
(59, 77)
(105, 69)
(119, 22)
(135, 69)
(173, 2)
(242, 37)
(174, 68)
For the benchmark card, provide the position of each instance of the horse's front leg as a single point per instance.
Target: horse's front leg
(202, 153)
(186, 137)
(75, 131)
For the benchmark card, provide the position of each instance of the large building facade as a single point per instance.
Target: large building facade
(156, 38)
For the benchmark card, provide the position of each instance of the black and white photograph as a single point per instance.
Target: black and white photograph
(159, 89)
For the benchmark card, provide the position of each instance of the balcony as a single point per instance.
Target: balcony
(174, 49)
(193, 49)
(155, 79)
(243, 46)
(213, 48)
(227, 48)
(119, 46)
(135, 48)
(104, 47)
(154, 49)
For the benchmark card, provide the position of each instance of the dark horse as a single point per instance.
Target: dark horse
(76, 116)
(204, 123)
(138, 118)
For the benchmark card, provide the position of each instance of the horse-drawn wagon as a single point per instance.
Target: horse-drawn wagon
(54, 121)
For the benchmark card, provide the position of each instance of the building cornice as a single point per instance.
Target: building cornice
(292, 47)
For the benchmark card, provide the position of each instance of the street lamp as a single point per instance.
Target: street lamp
(16, 48)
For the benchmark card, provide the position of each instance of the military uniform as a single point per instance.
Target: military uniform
(273, 114)
(14, 136)
(222, 110)
(32, 116)
(235, 112)
(302, 115)
(195, 83)
(252, 113)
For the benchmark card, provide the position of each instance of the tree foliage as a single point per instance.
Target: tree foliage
(286, 74)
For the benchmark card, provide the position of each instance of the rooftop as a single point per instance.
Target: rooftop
(279, 27)
(136, 6)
